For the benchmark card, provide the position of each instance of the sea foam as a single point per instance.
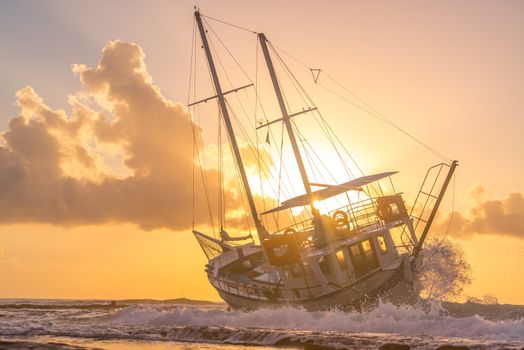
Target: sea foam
(386, 318)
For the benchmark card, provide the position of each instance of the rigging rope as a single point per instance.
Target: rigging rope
(305, 97)
(324, 125)
(316, 75)
(222, 197)
(229, 24)
(201, 166)
(370, 110)
(228, 51)
(452, 216)
(283, 186)
(255, 123)
(220, 164)
(231, 109)
(192, 129)
(243, 71)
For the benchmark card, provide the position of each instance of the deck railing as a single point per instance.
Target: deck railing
(258, 292)
(361, 215)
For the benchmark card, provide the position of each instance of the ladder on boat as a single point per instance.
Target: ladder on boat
(428, 200)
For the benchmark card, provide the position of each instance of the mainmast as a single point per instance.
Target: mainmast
(287, 119)
(262, 233)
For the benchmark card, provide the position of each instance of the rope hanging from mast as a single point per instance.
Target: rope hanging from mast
(281, 185)
(315, 72)
(324, 126)
(196, 151)
(230, 24)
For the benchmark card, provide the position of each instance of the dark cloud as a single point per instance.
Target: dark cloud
(52, 166)
(499, 216)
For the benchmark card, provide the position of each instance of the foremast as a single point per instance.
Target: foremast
(262, 232)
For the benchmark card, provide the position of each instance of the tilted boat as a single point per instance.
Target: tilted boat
(345, 257)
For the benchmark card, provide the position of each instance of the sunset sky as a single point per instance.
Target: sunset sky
(93, 208)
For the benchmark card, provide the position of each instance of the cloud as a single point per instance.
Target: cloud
(56, 168)
(497, 216)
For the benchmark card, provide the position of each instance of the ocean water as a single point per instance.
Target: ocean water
(183, 324)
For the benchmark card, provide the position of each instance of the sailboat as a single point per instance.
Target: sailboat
(347, 257)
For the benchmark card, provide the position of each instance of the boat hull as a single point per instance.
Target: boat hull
(395, 285)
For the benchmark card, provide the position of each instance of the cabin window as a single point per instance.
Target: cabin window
(369, 255)
(355, 250)
(382, 246)
(358, 260)
(323, 263)
(363, 257)
(341, 258)
(366, 246)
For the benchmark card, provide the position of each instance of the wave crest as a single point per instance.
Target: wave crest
(386, 318)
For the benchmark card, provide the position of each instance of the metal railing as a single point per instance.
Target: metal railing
(258, 292)
(361, 215)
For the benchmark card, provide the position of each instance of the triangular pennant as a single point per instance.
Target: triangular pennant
(315, 72)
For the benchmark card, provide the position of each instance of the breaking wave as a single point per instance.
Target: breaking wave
(386, 318)
(416, 326)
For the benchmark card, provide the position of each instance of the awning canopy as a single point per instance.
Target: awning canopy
(331, 191)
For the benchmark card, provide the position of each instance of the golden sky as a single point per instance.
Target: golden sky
(95, 147)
